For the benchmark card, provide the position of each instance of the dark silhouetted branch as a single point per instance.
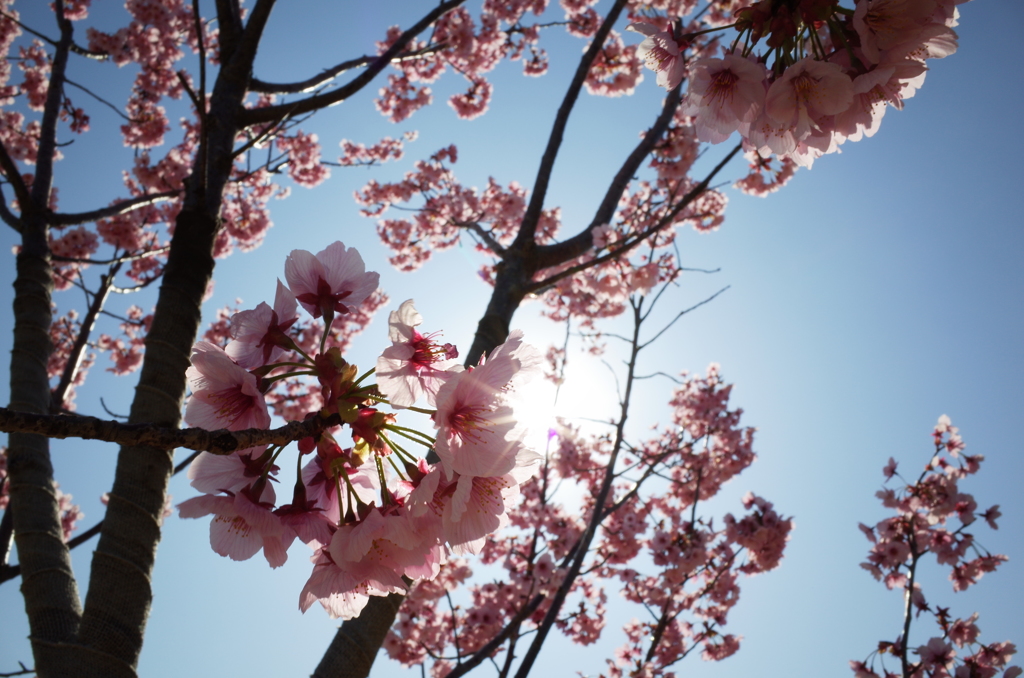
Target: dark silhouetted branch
(256, 116)
(216, 442)
(122, 207)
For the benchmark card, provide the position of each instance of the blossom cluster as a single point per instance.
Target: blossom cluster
(669, 560)
(371, 512)
(833, 71)
(473, 47)
(933, 516)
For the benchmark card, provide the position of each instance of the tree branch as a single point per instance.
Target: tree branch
(596, 517)
(229, 21)
(567, 250)
(326, 76)
(43, 182)
(88, 323)
(528, 228)
(690, 196)
(115, 260)
(8, 216)
(91, 54)
(14, 176)
(494, 643)
(220, 441)
(255, 116)
(98, 98)
(486, 237)
(118, 208)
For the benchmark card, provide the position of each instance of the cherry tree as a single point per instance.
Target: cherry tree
(792, 80)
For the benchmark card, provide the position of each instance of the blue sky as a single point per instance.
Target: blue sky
(874, 293)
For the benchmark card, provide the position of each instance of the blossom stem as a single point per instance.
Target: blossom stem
(295, 347)
(270, 464)
(364, 376)
(397, 470)
(286, 364)
(271, 380)
(424, 439)
(422, 411)
(709, 30)
(349, 490)
(398, 449)
(328, 321)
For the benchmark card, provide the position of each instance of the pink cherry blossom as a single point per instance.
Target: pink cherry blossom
(378, 550)
(258, 336)
(414, 365)
(241, 526)
(340, 594)
(724, 93)
(882, 24)
(478, 434)
(661, 53)
(796, 102)
(213, 473)
(333, 281)
(224, 395)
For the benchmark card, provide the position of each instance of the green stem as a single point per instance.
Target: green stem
(421, 410)
(364, 376)
(423, 438)
(271, 380)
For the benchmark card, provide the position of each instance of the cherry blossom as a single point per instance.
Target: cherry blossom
(724, 94)
(661, 53)
(477, 433)
(333, 281)
(258, 336)
(414, 365)
(224, 395)
(242, 526)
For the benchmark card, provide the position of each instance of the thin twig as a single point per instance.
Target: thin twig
(74, 359)
(681, 314)
(115, 260)
(98, 98)
(315, 82)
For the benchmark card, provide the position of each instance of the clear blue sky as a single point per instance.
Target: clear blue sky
(871, 295)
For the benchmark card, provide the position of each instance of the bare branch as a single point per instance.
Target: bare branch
(75, 356)
(150, 435)
(115, 260)
(14, 176)
(488, 239)
(528, 228)
(43, 182)
(88, 53)
(229, 21)
(487, 650)
(118, 208)
(311, 84)
(255, 116)
(24, 671)
(98, 98)
(583, 545)
(554, 254)
(692, 195)
(680, 315)
(8, 216)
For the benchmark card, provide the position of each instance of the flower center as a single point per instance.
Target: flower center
(231, 403)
